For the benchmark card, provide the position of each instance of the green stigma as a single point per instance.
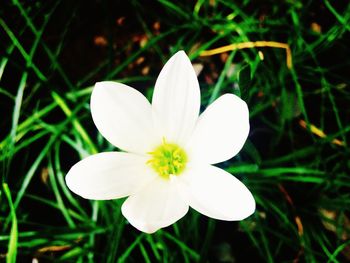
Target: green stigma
(167, 159)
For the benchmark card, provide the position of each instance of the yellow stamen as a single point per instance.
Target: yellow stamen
(168, 159)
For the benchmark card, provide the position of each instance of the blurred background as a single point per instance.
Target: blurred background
(289, 60)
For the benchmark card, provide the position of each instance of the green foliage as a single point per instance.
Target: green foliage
(295, 162)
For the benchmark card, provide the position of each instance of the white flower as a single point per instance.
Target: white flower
(169, 149)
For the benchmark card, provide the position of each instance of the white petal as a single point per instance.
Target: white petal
(216, 193)
(221, 130)
(123, 116)
(176, 99)
(156, 206)
(109, 175)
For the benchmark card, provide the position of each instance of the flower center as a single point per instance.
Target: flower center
(167, 159)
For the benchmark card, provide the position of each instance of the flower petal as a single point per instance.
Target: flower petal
(156, 206)
(216, 193)
(176, 99)
(123, 116)
(109, 175)
(221, 130)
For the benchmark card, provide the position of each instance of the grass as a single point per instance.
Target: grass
(295, 161)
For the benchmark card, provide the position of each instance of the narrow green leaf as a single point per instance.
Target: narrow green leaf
(12, 246)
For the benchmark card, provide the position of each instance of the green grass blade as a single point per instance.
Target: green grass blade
(12, 246)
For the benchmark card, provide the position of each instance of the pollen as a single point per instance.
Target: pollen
(168, 159)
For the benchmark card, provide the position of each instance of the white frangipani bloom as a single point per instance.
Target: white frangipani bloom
(170, 150)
